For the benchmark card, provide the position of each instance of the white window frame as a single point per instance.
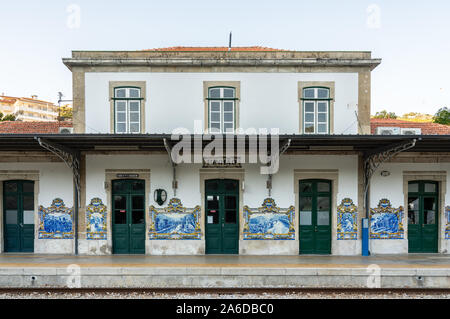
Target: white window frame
(128, 100)
(315, 101)
(221, 101)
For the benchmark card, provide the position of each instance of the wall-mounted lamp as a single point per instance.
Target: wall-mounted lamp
(160, 196)
(385, 173)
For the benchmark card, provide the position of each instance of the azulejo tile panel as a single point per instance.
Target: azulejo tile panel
(56, 221)
(447, 227)
(175, 222)
(269, 222)
(347, 220)
(386, 222)
(96, 220)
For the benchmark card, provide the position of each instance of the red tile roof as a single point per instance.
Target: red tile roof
(181, 48)
(427, 127)
(13, 99)
(7, 99)
(17, 127)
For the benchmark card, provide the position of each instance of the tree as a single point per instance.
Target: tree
(65, 112)
(385, 115)
(9, 117)
(416, 117)
(442, 116)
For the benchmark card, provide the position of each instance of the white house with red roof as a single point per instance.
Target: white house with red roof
(28, 108)
(400, 127)
(18, 127)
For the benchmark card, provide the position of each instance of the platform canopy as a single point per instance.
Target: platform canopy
(155, 142)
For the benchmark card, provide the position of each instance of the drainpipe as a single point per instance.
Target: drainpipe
(365, 226)
(76, 209)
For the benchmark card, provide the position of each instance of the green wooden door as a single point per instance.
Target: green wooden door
(222, 216)
(423, 217)
(315, 217)
(18, 221)
(128, 220)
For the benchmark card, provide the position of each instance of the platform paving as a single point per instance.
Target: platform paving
(220, 271)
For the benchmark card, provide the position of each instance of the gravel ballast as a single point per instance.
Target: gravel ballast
(197, 295)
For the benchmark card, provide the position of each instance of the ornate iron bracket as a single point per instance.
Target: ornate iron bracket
(282, 149)
(70, 157)
(374, 159)
(168, 147)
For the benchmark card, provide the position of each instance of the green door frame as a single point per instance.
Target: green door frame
(18, 237)
(222, 216)
(314, 237)
(128, 232)
(423, 237)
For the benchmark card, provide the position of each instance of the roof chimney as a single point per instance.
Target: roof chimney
(34, 97)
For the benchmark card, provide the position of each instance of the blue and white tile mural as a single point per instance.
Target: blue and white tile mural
(347, 220)
(386, 222)
(269, 222)
(56, 221)
(96, 220)
(447, 227)
(175, 221)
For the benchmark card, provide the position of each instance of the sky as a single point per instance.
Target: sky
(411, 37)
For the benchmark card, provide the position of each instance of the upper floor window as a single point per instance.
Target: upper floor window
(221, 109)
(127, 110)
(316, 110)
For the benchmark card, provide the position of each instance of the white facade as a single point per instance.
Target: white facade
(51, 180)
(253, 193)
(393, 188)
(54, 181)
(268, 100)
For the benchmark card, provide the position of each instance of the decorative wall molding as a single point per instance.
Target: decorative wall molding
(386, 222)
(347, 220)
(96, 227)
(175, 222)
(56, 221)
(269, 222)
(447, 227)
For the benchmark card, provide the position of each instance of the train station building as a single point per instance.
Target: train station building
(248, 151)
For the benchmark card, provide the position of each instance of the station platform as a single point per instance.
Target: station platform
(225, 271)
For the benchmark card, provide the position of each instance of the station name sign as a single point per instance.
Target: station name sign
(127, 175)
(217, 162)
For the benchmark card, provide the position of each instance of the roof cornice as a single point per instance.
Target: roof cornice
(222, 62)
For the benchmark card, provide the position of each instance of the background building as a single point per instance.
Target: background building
(28, 109)
(401, 127)
(54, 127)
